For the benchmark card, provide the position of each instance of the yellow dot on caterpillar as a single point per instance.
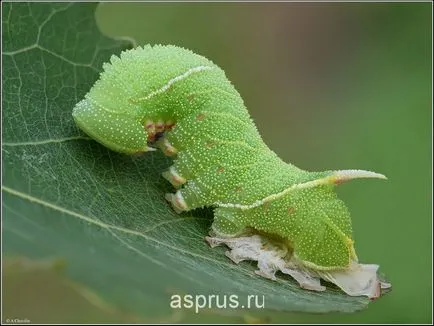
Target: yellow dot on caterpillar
(190, 97)
(210, 144)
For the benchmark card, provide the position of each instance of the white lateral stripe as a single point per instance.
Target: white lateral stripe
(176, 79)
(341, 175)
(309, 184)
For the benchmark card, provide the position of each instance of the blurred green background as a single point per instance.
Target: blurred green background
(330, 86)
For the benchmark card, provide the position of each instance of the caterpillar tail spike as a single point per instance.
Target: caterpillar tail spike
(341, 176)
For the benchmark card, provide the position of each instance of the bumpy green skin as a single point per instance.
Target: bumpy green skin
(221, 160)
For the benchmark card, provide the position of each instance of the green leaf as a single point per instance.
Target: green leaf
(65, 197)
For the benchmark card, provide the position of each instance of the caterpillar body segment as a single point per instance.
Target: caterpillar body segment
(169, 98)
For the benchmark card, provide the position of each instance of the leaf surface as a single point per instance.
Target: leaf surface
(66, 197)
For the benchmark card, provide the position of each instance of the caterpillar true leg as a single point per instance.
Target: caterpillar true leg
(166, 147)
(173, 177)
(177, 201)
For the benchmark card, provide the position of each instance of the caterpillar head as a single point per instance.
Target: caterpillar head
(116, 130)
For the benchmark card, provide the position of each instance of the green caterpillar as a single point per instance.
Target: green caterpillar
(171, 98)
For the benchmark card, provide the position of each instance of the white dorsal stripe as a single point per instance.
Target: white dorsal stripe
(174, 80)
(334, 178)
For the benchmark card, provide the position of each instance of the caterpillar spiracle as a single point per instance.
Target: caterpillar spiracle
(265, 209)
